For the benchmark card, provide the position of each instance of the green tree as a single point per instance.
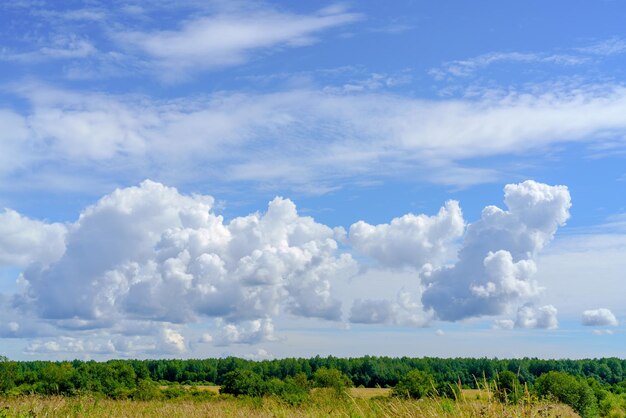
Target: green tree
(57, 379)
(8, 374)
(416, 384)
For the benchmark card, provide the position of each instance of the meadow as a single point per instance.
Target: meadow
(316, 387)
(357, 402)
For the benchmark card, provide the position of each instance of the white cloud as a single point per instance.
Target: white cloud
(504, 324)
(583, 268)
(411, 240)
(143, 262)
(149, 253)
(496, 265)
(24, 241)
(467, 67)
(607, 47)
(70, 345)
(258, 355)
(171, 341)
(405, 310)
(602, 332)
(599, 317)
(341, 135)
(230, 38)
(16, 140)
(543, 317)
(249, 332)
(59, 47)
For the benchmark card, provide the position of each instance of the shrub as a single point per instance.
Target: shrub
(508, 388)
(174, 392)
(570, 390)
(243, 382)
(449, 390)
(416, 384)
(147, 390)
(331, 378)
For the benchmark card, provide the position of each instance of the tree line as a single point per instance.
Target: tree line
(365, 371)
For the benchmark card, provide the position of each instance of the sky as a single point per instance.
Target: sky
(286, 179)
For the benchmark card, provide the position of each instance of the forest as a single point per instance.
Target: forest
(591, 387)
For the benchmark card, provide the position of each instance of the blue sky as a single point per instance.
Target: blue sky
(271, 179)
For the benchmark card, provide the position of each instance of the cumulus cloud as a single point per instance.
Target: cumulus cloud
(149, 253)
(496, 261)
(405, 310)
(410, 240)
(504, 324)
(24, 241)
(249, 332)
(144, 261)
(543, 317)
(599, 317)
(171, 341)
(258, 355)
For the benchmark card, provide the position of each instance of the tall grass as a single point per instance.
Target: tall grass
(322, 403)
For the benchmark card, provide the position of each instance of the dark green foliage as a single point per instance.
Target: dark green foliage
(331, 378)
(57, 379)
(448, 390)
(147, 390)
(570, 390)
(8, 374)
(603, 387)
(243, 382)
(507, 387)
(416, 384)
(291, 390)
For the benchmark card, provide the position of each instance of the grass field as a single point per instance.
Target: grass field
(358, 402)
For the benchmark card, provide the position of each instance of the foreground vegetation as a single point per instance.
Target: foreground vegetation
(315, 387)
(321, 404)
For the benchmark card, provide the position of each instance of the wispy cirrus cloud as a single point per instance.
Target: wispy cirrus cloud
(578, 56)
(607, 47)
(195, 36)
(303, 138)
(231, 38)
(469, 66)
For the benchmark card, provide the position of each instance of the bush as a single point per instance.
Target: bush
(293, 390)
(449, 390)
(243, 382)
(416, 384)
(174, 392)
(331, 378)
(570, 390)
(147, 390)
(508, 388)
